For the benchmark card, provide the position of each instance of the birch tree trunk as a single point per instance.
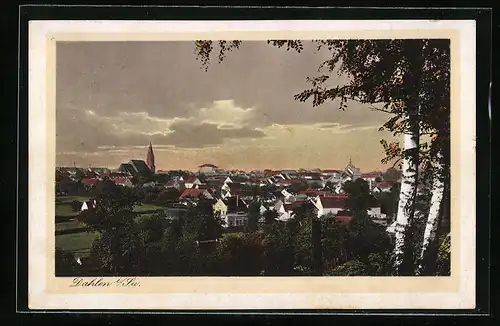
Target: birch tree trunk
(435, 209)
(406, 207)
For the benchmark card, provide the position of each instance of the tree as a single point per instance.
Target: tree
(253, 216)
(391, 174)
(359, 199)
(201, 223)
(65, 263)
(114, 219)
(278, 249)
(167, 196)
(316, 185)
(409, 78)
(76, 205)
(297, 187)
(270, 216)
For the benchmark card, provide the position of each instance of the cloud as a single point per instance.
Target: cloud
(226, 114)
(187, 134)
(86, 131)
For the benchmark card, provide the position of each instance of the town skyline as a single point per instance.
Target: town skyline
(196, 167)
(240, 114)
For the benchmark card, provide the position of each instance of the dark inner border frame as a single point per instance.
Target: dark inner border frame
(483, 19)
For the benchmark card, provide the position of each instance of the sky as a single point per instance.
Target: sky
(113, 98)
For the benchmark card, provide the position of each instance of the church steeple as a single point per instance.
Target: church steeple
(150, 158)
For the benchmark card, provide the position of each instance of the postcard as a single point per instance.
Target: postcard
(235, 165)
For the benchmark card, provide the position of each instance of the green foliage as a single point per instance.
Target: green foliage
(297, 187)
(350, 268)
(359, 198)
(444, 256)
(167, 196)
(253, 216)
(65, 263)
(392, 174)
(76, 205)
(316, 185)
(279, 252)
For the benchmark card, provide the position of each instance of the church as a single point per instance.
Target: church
(139, 167)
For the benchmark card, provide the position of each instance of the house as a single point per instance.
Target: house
(330, 205)
(100, 171)
(343, 217)
(220, 208)
(174, 183)
(284, 183)
(350, 173)
(237, 212)
(375, 212)
(233, 189)
(193, 193)
(330, 173)
(281, 209)
(371, 178)
(192, 182)
(89, 182)
(312, 176)
(286, 194)
(270, 173)
(150, 184)
(207, 168)
(258, 181)
(87, 205)
(319, 182)
(122, 181)
(135, 168)
(384, 186)
(336, 178)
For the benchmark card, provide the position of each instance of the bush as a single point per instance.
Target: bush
(350, 268)
(76, 205)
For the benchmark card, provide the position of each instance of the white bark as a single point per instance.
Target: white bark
(435, 208)
(408, 191)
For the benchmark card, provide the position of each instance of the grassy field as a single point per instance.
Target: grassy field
(63, 205)
(78, 243)
(69, 199)
(232, 234)
(65, 210)
(147, 207)
(71, 224)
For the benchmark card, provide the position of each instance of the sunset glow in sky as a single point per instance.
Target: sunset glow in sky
(113, 98)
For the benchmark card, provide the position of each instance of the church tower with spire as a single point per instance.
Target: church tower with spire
(150, 158)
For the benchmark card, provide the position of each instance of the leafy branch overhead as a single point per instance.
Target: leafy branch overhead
(380, 72)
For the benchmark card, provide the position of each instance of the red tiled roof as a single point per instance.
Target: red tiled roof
(385, 184)
(119, 180)
(343, 218)
(256, 179)
(89, 181)
(192, 192)
(331, 171)
(207, 166)
(285, 182)
(191, 180)
(295, 204)
(333, 202)
(369, 175)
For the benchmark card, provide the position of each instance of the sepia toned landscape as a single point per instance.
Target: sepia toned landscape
(253, 158)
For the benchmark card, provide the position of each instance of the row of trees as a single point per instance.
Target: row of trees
(194, 244)
(410, 80)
